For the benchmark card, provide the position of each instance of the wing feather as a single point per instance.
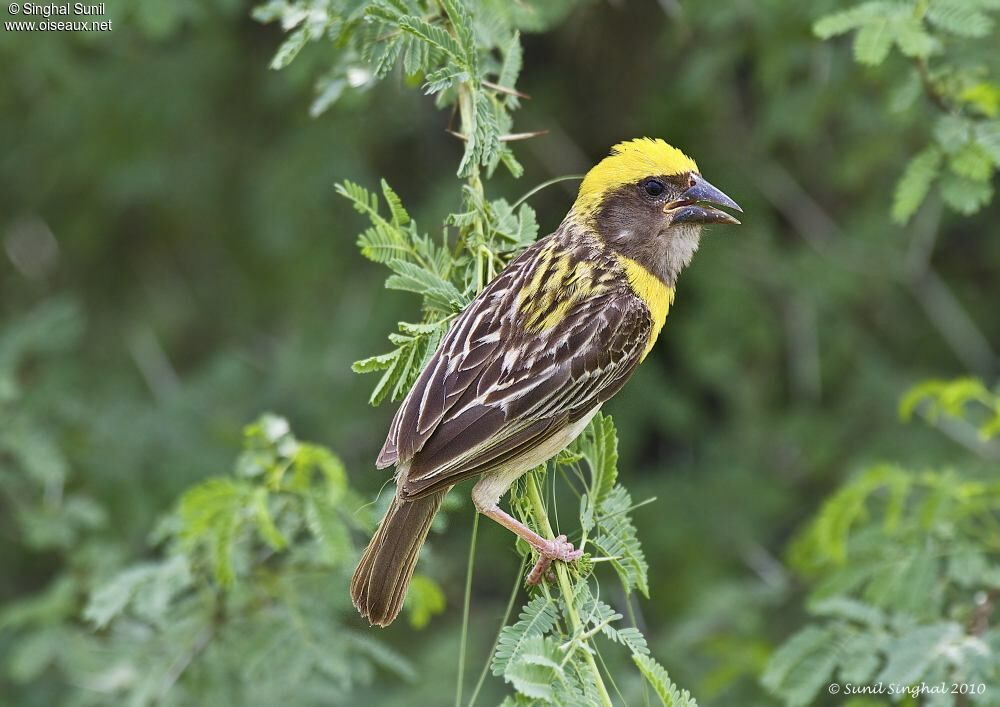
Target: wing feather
(500, 384)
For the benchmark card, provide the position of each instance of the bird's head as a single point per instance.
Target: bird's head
(648, 201)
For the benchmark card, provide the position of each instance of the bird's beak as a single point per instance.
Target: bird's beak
(693, 207)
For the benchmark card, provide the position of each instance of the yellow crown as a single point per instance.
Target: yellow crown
(629, 162)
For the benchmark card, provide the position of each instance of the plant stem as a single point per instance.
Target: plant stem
(503, 622)
(465, 612)
(565, 586)
(467, 118)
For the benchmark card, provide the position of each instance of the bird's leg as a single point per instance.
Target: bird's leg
(558, 548)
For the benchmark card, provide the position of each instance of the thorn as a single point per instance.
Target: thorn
(509, 137)
(503, 89)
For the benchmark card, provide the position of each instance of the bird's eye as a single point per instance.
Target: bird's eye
(654, 187)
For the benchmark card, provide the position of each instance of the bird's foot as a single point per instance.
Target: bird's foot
(558, 549)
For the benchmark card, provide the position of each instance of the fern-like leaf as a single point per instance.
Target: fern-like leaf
(916, 181)
(536, 619)
(657, 677)
(617, 538)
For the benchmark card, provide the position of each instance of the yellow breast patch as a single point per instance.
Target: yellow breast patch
(657, 295)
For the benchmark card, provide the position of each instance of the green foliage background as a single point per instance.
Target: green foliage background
(176, 260)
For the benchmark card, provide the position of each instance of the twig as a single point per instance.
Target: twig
(953, 323)
(184, 661)
(930, 90)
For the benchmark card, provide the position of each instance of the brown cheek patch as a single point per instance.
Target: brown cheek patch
(626, 209)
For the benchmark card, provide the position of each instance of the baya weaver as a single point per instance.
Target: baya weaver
(530, 361)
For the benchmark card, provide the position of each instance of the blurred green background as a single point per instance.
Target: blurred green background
(175, 261)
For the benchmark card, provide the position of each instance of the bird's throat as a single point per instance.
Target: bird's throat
(657, 295)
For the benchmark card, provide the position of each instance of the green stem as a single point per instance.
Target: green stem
(467, 118)
(543, 185)
(565, 585)
(503, 622)
(465, 612)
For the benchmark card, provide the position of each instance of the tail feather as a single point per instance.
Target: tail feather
(383, 574)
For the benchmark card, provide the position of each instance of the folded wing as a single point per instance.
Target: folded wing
(508, 376)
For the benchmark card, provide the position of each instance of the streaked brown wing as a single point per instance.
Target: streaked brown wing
(470, 345)
(534, 386)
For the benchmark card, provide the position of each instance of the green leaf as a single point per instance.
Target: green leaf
(56, 602)
(435, 36)
(663, 686)
(399, 215)
(952, 132)
(510, 162)
(851, 610)
(37, 452)
(111, 598)
(29, 658)
(327, 526)
(375, 363)
(910, 655)
(617, 538)
(968, 566)
(393, 373)
(912, 39)
(801, 666)
(269, 532)
(328, 91)
(859, 655)
(438, 293)
(972, 162)
(983, 97)
(906, 581)
(290, 49)
(210, 515)
(536, 618)
(912, 188)
(151, 586)
(596, 613)
(461, 22)
(424, 599)
(826, 539)
(382, 52)
(964, 195)
(987, 136)
(537, 669)
(513, 58)
(599, 446)
(873, 41)
(838, 23)
(959, 17)
(442, 79)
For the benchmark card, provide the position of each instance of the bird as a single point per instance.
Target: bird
(528, 363)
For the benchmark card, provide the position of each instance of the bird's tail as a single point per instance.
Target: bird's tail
(379, 583)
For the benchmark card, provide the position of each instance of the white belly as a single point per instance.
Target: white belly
(488, 490)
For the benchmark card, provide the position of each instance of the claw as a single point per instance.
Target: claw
(558, 549)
